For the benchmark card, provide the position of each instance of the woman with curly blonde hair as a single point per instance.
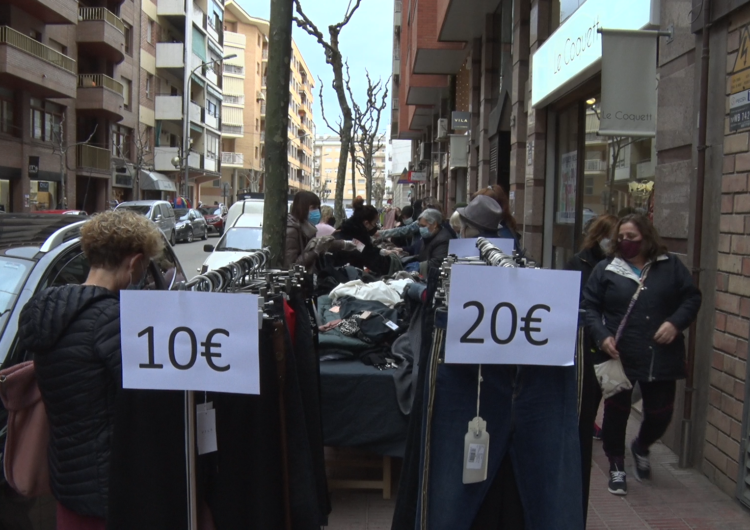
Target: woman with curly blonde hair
(73, 333)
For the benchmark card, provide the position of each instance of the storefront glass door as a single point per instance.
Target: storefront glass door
(566, 187)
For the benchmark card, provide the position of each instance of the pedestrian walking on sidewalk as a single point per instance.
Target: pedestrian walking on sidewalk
(644, 329)
(73, 333)
(596, 245)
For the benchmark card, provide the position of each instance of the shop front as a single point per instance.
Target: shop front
(587, 173)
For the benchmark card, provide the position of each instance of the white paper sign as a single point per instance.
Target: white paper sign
(467, 248)
(500, 315)
(194, 341)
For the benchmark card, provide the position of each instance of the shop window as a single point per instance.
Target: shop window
(46, 118)
(121, 139)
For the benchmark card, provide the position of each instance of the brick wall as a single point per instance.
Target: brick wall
(150, 47)
(731, 325)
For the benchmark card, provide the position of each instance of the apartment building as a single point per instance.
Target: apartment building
(327, 151)
(67, 113)
(181, 67)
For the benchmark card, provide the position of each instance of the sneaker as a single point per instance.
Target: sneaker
(642, 463)
(617, 482)
(597, 432)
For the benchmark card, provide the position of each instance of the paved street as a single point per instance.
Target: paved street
(192, 256)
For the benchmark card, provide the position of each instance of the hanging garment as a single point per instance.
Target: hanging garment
(386, 293)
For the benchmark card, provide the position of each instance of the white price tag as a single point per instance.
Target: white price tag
(467, 248)
(206, 428)
(391, 325)
(500, 315)
(185, 347)
(476, 448)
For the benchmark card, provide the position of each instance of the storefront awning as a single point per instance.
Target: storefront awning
(151, 180)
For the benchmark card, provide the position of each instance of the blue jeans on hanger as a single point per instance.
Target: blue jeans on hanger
(531, 411)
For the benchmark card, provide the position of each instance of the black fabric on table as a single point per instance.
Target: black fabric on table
(360, 408)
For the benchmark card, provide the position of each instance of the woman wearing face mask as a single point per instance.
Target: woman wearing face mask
(362, 226)
(73, 333)
(435, 238)
(594, 249)
(644, 332)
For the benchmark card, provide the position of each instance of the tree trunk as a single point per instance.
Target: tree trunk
(353, 153)
(368, 175)
(346, 128)
(277, 122)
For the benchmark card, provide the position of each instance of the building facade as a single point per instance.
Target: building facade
(327, 151)
(511, 93)
(67, 112)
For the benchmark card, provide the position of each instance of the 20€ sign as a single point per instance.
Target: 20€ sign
(500, 315)
(182, 340)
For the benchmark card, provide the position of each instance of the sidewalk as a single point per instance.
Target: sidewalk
(676, 499)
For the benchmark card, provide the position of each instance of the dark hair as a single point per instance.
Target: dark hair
(498, 193)
(601, 227)
(362, 212)
(407, 211)
(301, 205)
(652, 246)
(628, 210)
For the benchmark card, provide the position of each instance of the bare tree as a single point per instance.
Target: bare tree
(60, 148)
(334, 58)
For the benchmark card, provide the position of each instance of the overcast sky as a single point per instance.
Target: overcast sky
(367, 41)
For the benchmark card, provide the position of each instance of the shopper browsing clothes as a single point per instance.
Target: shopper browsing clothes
(73, 333)
(644, 330)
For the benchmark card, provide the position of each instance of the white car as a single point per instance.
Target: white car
(245, 237)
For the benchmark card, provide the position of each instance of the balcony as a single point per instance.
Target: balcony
(236, 40)
(199, 17)
(49, 11)
(101, 95)
(263, 83)
(263, 137)
(232, 131)
(260, 95)
(100, 33)
(168, 108)
(263, 108)
(233, 69)
(163, 158)
(170, 55)
(197, 113)
(645, 170)
(170, 8)
(210, 164)
(92, 158)
(595, 165)
(265, 54)
(232, 159)
(26, 64)
(211, 121)
(233, 100)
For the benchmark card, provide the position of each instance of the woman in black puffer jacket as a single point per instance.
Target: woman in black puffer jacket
(645, 334)
(73, 333)
(361, 226)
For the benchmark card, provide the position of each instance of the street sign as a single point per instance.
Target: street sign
(460, 120)
(186, 347)
(499, 315)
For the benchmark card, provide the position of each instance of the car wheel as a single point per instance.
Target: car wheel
(173, 239)
(190, 236)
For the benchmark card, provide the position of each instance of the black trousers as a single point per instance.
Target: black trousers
(658, 406)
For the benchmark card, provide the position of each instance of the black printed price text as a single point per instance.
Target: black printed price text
(528, 328)
(208, 349)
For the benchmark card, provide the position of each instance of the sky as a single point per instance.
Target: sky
(367, 42)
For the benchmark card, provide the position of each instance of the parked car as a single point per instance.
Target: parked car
(238, 241)
(160, 212)
(36, 252)
(65, 212)
(245, 207)
(190, 224)
(215, 218)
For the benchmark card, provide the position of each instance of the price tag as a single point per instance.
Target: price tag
(467, 248)
(205, 417)
(391, 325)
(528, 316)
(186, 347)
(476, 448)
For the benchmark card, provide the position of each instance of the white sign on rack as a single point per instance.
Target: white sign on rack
(196, 341)
(499, 315)
(467, 248)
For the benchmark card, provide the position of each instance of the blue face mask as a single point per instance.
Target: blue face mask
(424, 231)
(314, 217)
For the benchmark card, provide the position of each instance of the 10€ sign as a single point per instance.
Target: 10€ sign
(185, 346)
(500, 315)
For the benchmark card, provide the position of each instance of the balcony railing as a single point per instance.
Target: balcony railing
(263, 136)
(397, 6)
(265, 80)
(100, 81)
(265, 54)
(91, 157)
(234, 100)
(232, 159)
(595, 165)
(234, 69)
(89, 14)
(263, 108)
(198, 15)
(26, 44)
(237, 130)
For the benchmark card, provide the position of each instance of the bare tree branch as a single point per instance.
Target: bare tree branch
(323, 112)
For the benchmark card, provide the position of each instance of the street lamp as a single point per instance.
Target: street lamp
(186, 140)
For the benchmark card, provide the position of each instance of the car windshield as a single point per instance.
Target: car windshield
(141, 210)
(12, 278)
(241, 239)
(182, 215)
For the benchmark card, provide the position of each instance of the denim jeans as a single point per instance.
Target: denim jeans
(531, 413)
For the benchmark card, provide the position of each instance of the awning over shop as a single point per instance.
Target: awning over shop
(151, 180)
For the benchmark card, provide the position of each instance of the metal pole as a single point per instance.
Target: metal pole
(192, 503)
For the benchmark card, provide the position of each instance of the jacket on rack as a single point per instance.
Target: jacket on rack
(73, 333)
(668, 295)
(298, 235)
(435, 249)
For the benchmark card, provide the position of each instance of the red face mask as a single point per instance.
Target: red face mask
(629, 249)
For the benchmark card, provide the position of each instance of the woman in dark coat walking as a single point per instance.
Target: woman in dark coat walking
(645, 332)
(594, 249)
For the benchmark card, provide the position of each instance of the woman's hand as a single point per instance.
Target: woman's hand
(666, 334)
(608, 346)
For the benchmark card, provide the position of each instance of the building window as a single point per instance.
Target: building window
(46, 119)
(128, 39)
(127, 88)
(6, 112)
(256, 152)
(212, 146)
(121, 137)
(145, 140)
(212, 108)
(257, 124)
(150, 31)
(259, 41)
(149, 86)
(257, 68)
